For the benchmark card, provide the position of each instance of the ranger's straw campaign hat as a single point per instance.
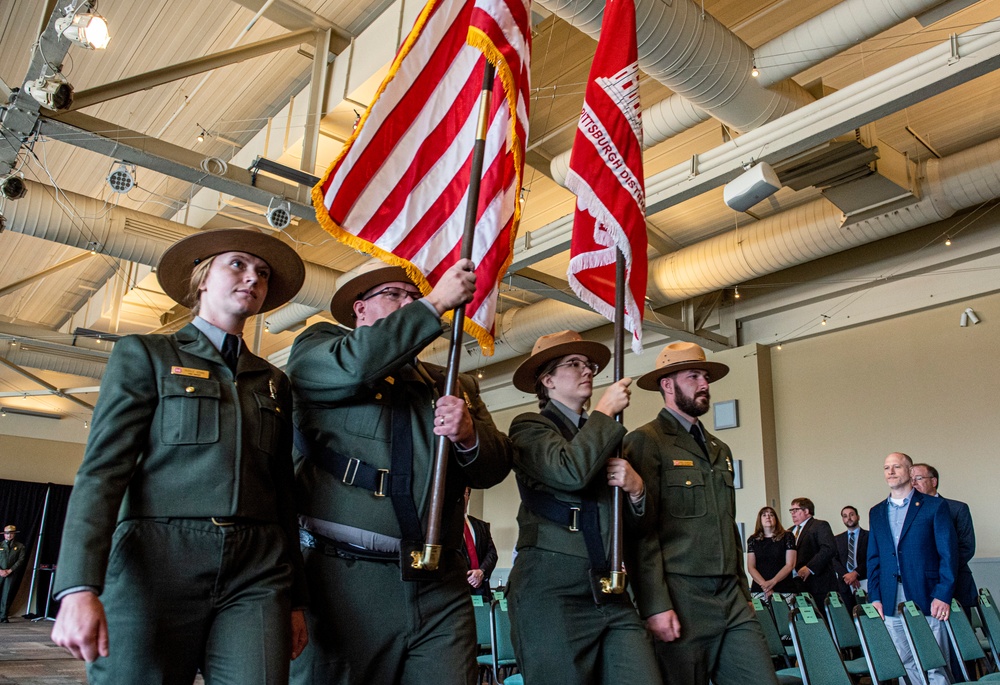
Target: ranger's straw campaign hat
(677, 357)
(553, 346)
(180, 259)
(360, 280)
(9, 529)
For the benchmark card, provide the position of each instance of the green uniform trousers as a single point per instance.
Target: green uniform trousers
(8, 588)
(720, 638)
(369, 627)
(561, 636)
(184, 594)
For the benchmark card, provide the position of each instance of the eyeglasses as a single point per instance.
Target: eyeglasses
(579, 365)
(394, 294)
(920, 478)
(795, 509)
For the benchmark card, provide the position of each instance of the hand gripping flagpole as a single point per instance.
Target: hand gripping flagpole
(614, 584)
(431, 556)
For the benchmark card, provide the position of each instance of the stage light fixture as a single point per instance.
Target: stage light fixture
(973, 317)
(122, 179)
(279, 215)
(52, 92)
(12, 187)
(85, 27)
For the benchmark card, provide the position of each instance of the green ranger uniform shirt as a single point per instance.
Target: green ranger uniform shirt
(694, 532)
(346, 384)
(12, 556)
(175, 435)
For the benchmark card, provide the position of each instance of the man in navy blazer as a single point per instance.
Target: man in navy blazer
(912, 555)
(925, 480)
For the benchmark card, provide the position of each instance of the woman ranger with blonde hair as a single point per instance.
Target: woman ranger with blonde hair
(180, 549)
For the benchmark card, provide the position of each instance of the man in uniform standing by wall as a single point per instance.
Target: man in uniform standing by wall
(689, 581)
(12, 558)
(368, 415)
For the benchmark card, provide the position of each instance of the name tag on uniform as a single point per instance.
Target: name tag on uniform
(184, 371)
(683, 462)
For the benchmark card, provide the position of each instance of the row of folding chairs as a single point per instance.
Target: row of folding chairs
(496, 661)
(823, 643)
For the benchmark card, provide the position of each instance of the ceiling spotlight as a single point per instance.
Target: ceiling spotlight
(969, 315)
(202, 134)
(122, 179)
(754, 71)
(85, 27)
(12, 187)
(279, 215)
(52, 92)
(736, 294)
(86, 425)
(779, 346)
(479, 374)
(823, 322)
(947, 241)
(3, 412)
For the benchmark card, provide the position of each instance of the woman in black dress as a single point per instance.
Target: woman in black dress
(770, 557)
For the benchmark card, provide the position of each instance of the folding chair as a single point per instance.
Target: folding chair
(926, 651)
(818, 658)
(965, 643)
(883, 660)
(976, 621)
(779, 608)
(991, 622)
(503, 660)
(774, 644)
(845, 635)
(484, 659)
(861, 596)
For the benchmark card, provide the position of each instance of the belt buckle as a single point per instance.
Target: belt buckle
(382, 475)
(221, 522)
(351, 471)
(574, 520)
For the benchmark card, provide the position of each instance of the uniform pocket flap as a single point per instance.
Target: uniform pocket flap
(684, 478)
(186, 386)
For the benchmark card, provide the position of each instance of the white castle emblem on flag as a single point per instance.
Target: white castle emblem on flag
(623, 89)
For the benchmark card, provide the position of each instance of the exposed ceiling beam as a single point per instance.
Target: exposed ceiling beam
(557, 289)
(45, 384)
(292, 16)
(175, 72)
(17, 285)
(111, 140)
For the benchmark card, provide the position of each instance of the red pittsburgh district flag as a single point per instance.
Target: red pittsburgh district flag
(605, 172)
(399, 188)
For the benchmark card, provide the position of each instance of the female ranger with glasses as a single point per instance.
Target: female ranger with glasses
(565, 468)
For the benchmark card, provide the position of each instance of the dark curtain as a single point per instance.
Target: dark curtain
(21, 505)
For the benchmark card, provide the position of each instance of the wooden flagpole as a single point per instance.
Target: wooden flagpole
(431, 556)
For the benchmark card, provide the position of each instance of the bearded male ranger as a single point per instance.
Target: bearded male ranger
(368, 414)
(690, 583)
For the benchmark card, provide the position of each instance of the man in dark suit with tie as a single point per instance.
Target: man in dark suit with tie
(912, 556)
(851, 563)
(816, 550)
(925, 480)
(480, 552)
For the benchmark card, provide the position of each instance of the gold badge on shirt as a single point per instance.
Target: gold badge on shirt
(185, 371)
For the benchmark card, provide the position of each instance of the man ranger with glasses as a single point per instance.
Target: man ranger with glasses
(367, 415)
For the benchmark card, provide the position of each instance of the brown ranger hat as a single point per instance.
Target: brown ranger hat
(177, 263)
(677, 357)
(9, 529)
(553, 346)
(356, 282)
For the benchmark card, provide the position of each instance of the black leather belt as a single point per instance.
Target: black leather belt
(333, 548)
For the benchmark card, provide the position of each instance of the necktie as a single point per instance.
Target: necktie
(470, 547)
(797, 530)
(696, 434)
(852, 552)
(230, 351)
(582, 423)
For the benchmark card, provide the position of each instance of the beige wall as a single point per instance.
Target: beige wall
(918, 384)
(39, 461)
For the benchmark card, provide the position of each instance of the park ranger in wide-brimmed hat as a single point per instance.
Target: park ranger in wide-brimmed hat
(181, 527)
(566, 463)
(691, 587)
(12, 558)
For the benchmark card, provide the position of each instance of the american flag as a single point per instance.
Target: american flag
(605, 172)
(399, 188)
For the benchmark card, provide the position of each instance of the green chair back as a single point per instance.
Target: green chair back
(503, 648)
(774, 646)
(779, 607)
(839, 620)
(926, 651)
(991, 621)
(819, 659)
(876, 643)
(861, 596)
(963, 638)
(481, 609)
